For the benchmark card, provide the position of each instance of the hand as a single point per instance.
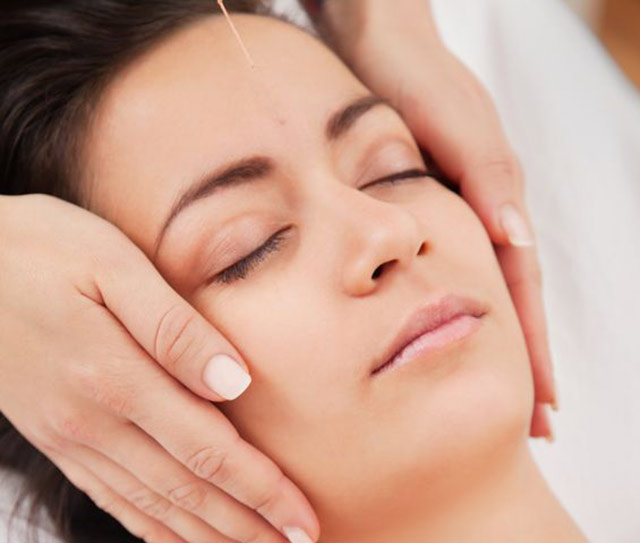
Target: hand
(96, 348)
(395, 50)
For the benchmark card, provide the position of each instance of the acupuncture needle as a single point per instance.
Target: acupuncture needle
(236, 33)
(265, 94)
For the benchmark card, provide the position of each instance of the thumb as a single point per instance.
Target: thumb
(169, 329)
(495, 190)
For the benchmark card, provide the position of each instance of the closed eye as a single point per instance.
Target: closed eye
(244, 266)
(399, 176)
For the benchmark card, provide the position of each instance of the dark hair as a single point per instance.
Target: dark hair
(56, 57)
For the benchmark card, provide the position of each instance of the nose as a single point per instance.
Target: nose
(379, 239)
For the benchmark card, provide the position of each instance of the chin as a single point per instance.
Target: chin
(436, 449)
(465, 427)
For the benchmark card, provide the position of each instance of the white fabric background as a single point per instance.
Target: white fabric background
(575, 122)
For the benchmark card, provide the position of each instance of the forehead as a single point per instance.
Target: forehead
(193, 102)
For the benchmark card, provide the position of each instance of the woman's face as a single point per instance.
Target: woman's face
(353, 262)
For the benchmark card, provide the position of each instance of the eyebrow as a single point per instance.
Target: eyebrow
(250, 169)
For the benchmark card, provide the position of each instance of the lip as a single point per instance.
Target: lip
(428, 318)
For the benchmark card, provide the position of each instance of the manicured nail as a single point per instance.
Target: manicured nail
(551, 437)
(515, 226)
(296, 535)
(555, 405)
(225, 376)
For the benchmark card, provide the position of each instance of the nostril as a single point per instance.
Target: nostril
(378, 270)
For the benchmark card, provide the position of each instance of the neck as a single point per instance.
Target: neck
(514, 504)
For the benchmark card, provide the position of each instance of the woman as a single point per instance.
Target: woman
(349, 236)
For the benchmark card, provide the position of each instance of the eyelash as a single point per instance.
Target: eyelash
(244, 266)
(400, 176)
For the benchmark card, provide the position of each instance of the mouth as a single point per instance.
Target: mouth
(431, 328)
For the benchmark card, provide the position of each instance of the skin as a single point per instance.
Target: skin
(396, 50)
(400, 455)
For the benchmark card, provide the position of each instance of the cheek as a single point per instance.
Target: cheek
(302, 406)
(457, 233)
(462, 252)
(298, 390)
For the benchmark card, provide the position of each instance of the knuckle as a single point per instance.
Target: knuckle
(88, 377)
(531, 278)
(49, 441)
(111, 392)
(150, 503)
(211, 464)
(107, 263)
(70, 426)
(470, 91)
(107, 504)
(111, 396)
(190, 496)
(175, 337)
(117, 402)
(102, 499)
(264, 502)
(207, 463)
(536, 277)
(115, 250)
(257, 537)
(504, 165)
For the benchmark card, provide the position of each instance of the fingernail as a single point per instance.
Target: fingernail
(551, 437)
(296, 535)
(555, 404)
(225, 376)
(515, 226)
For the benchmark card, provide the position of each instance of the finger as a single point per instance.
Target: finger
(131, 488)
(169, 329)
(468, 143)
(201, 438)
(524, 279)
(493, 185)
(167, 487)
(498, 202)
(541, 423)
(500, 206)
(465, 137)
(136, 522)
(198, 436)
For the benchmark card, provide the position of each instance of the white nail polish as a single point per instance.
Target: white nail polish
(296, 535)
(225, 376)
(515, 226)
(555, 404)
